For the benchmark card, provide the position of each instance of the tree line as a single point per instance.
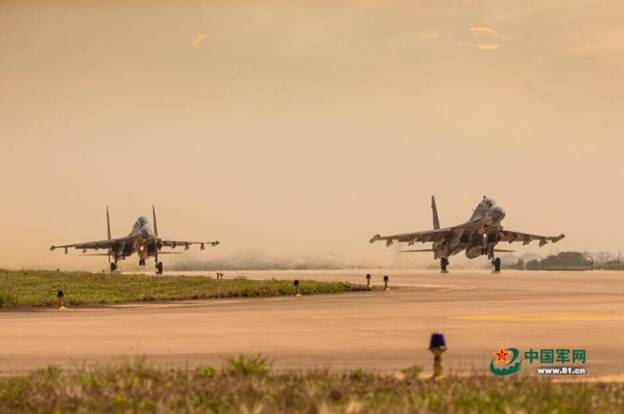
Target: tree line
(567, 261)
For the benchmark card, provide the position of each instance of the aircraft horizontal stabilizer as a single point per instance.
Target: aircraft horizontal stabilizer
(504, 251)
(375, 238)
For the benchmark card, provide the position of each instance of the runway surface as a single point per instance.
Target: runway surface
(478, 312)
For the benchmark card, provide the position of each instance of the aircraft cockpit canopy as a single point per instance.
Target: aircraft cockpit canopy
(487, 202)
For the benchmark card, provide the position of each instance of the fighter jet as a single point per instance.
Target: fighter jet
(141, 240)
(478, 236)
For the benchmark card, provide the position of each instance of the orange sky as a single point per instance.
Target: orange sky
(306, 127)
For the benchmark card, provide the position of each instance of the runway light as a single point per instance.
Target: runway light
(368, 279)
(61, 299)
(386, 280)
(296, 285)
(437, 345)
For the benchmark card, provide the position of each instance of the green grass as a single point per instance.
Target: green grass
(248, 385)
(28, 288)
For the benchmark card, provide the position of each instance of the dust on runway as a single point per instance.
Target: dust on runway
(477, 311)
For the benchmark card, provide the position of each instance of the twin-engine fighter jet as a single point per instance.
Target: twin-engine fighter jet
(478, 236)
(141, 240)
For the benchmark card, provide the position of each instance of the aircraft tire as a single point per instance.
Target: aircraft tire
(444, 262)
(497, 264)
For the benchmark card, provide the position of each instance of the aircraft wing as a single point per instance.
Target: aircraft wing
(525, 238)
(411, 238)
(175, 243)
(93, 245)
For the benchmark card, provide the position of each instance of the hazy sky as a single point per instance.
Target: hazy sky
(304, 127)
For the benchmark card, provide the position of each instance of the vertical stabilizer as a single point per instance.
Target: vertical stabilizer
(108, 233)
(108, 224)
(155, 223)
(434, 209)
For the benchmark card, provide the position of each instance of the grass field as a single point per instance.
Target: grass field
(26, 288)
(248, 385)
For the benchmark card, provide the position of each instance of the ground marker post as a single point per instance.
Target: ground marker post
(437, 345)
(386, 280)
(61, 300)
(368, 279)
(296, 285)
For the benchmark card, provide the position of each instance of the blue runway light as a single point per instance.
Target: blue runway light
(437, 346)
(386, 279)
(437, 341)
(61, 299)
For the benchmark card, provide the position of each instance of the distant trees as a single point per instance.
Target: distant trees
(561, 261)
(612, 265)
(570, 261)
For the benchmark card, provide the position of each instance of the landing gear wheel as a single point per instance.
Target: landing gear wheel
(141, 262)
(113, 267)
(497, 264)
(444, 262)
(159, 268)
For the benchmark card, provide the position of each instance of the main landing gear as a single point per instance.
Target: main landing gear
(496, 262)
(444, 262)
(113, 266)
(159, 268)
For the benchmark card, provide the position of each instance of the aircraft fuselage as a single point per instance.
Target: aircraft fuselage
(477, 236)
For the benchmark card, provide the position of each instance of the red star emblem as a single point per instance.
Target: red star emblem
(501, 356)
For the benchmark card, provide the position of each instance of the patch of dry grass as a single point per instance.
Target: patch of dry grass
(248, 385)
(33, 288)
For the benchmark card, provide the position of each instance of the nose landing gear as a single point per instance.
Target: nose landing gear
(141, 262)
(159, 268)
(444, 262)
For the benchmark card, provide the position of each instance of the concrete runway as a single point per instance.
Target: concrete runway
(477, 311)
